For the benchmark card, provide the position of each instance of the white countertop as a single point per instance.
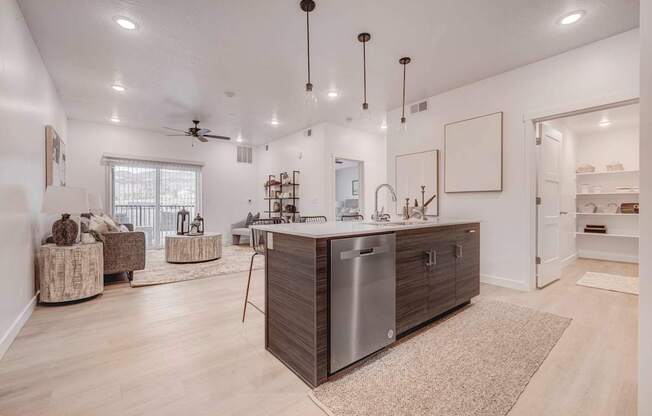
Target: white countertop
(343, 228)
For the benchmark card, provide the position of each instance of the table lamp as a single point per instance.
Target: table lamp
(95, 203)
(65, 201)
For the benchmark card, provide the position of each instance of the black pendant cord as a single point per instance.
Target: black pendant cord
(364, 38)
(309, 84)
(404, 61)
(404, 70)
(364, 72)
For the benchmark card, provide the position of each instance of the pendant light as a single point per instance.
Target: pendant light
(404, 61)
(308, 6)
(364, 38)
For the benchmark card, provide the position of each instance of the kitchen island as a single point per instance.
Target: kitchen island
(436, 268)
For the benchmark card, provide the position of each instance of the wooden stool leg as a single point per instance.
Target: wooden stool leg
(244, 309)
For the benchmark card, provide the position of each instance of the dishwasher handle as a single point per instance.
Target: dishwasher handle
(363, 252)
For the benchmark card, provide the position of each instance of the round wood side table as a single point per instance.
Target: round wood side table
(68, 273)
(193, 248)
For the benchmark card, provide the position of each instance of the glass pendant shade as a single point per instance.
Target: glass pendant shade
(365, 114)
(403, 127)
(310, 98)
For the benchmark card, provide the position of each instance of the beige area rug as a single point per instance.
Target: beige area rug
(157, 270)
(476, 362)
(613, 282)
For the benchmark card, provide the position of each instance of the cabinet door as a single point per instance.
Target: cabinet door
(467, 269)
(441, 276)
(411, 279)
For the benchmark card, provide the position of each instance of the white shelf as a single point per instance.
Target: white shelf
(607, 173)
(607, 235)
(607, 193)
(604, 214)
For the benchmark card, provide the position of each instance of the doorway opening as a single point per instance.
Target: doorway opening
(587, 197)
(349, 200)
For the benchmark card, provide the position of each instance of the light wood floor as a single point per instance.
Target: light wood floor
(180, 349)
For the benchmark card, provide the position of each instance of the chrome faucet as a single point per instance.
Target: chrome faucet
(377, 216)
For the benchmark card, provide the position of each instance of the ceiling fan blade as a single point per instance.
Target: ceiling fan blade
(203, 132)
(202, 139)
(217, 137)
(170, 128)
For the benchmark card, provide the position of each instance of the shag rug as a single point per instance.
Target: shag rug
(613, 282)
(157, 270)
(477, 362)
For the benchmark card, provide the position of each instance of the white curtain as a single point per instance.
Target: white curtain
(149, 194)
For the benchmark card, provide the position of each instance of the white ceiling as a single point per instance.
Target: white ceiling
(621, 118)
(186, 54)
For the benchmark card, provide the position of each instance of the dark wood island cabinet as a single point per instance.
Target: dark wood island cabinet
(437, 269)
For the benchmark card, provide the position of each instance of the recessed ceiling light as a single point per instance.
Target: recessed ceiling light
(383, 126)
(572, 17)
(115, 119)
(605, 123)
(333, 94)
(118, 87)
(274, 122)
(125, 23)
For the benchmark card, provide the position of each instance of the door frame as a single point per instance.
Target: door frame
(530, 121)
(332, 211)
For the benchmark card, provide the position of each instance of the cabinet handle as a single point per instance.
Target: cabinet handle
(431, 259)
(458, 251)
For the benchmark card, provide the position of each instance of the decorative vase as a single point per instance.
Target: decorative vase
(64, 231)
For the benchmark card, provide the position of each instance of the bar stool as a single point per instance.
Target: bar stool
(258, 243)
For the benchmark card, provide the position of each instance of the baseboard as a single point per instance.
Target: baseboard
(568, 260)
(503, 282)
(11, 334)
(606, 255)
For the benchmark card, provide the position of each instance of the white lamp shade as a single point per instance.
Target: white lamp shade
(65, 200)
(95, 202)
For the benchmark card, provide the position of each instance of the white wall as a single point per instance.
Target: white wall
(28, 101)
(612, 145)
(603, 71)
(314, 157)
(645, 299)
(227, 186)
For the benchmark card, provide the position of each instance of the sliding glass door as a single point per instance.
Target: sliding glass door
(149, 195)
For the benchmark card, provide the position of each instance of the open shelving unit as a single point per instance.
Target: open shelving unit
(270, 196)
(620, 243)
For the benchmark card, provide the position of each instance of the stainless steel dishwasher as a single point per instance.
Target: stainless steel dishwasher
(362, 297)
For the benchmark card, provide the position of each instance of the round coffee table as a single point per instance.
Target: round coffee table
(193, 248)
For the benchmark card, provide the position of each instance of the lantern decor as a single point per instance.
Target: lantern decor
(183, 222)
(197, 226)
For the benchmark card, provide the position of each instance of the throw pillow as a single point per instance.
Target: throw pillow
(110, 223)
(97, 225)
(123, 228)
(249, 220)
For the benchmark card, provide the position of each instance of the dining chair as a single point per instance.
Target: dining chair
(353, 217)
(313, 219)
(258, 242)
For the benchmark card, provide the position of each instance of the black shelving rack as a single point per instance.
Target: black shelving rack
(270, 192)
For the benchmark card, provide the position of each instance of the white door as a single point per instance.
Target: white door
(548, 208)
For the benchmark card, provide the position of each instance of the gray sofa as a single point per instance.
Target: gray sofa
(239, 230)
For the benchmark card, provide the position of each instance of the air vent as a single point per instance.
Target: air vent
(245, 154)
(419, 107)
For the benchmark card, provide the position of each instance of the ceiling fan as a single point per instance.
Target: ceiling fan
(201, 134)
